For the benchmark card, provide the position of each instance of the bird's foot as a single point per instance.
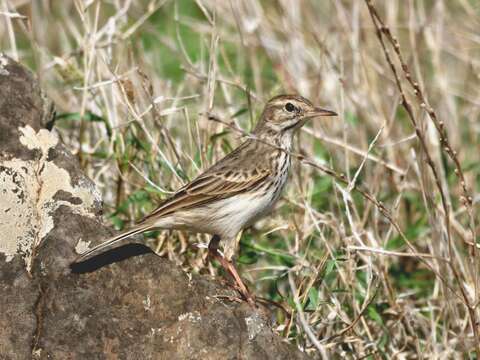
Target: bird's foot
(230, 268)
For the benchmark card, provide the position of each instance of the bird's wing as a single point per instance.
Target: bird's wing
(210, 186)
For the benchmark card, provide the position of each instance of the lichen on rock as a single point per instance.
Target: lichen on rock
(28, 195)
(3, 63)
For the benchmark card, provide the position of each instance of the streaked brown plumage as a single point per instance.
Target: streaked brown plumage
(237, 190)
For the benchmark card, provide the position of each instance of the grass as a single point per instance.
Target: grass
(372, 247)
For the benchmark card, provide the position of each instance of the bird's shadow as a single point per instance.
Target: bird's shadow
(109, 257)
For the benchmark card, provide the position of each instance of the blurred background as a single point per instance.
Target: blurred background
(372, 251)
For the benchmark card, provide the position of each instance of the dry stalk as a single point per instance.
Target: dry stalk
(382, 31)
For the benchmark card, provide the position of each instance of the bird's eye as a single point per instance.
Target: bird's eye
(289, 107)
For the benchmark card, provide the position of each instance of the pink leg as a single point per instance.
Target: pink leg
(228, 266)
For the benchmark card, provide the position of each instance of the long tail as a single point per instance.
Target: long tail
(111, 242)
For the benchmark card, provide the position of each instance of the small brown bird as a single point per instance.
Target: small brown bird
(237, 190)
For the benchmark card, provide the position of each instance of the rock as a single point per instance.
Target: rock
(118, 306)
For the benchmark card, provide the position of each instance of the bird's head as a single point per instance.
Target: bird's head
(287, 113)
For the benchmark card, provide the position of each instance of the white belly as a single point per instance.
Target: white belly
(238, 212)
(228, 217)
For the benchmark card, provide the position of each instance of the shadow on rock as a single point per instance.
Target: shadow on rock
(109, 257)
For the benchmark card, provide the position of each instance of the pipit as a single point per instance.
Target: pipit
(236, 191)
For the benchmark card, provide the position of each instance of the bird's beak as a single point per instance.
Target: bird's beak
(317, 111)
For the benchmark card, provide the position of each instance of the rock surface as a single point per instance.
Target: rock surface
(141, 307)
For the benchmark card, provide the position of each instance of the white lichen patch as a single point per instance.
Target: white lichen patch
(254, 324)
(82, 246)
(147, 303)
(27, 201)
(190, 316)
(3, 63)
(43, 140)
(154, 332)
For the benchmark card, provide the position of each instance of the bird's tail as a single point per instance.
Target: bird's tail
(112, 241)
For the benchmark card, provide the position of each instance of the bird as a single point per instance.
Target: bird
(236, 191)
